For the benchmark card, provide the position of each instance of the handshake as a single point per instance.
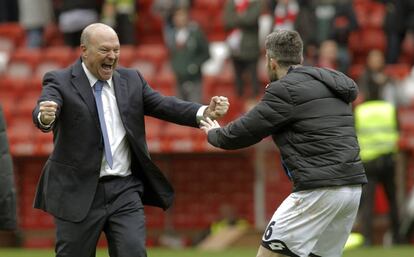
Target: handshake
(218, 107)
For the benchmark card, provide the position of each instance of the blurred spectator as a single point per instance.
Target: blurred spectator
(324, 13)
(165, 9)
(241, 18)
(306, 24)
(34, 16)
(343, 23)
(120, 15)
(394, 28)
(9, 11)
(74, 16)
(328, 55)
(405, 91)
(310, 54)
(374, 83)
(408, 7)
(296, 15)
(189, 49)
(228, 218)
(285, 13)
(377, 131)
(7, 191)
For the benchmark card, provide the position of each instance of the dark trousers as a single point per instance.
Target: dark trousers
(242, 68)
(380, 170)
(116, 210)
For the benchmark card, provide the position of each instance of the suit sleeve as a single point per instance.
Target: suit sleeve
(50, 92)
(270, 115)
(168, 108)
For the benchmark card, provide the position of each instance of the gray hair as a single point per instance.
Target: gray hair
(286, 46)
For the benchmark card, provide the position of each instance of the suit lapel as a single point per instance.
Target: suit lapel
(121, 94)
(81, 83)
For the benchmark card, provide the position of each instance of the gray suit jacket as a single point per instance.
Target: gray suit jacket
(70, 176)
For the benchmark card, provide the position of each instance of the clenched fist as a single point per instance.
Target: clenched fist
(219, 105)
(47, 111)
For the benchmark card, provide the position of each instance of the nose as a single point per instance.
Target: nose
(112, 55)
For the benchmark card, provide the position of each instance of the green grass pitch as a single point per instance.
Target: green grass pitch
(403, 251)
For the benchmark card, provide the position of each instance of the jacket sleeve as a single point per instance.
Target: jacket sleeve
(168, 108)
(272, 113)
(50, 92)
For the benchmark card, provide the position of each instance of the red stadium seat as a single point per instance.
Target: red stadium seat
(26, 104)
(377, 15)
(14, 31)
(17, 86)
(165, 81)
(146, 68)
(52, 36)
(149, 28)
(155, 53)
(356, 70)
(126, 56)
(23, 62)
(62, 55)
(217, 31)
(6, 45)
(364, 40)
(398, 71)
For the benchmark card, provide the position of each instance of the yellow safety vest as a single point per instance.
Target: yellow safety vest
(376, 128)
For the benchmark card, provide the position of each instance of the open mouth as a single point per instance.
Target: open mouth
(107, 67)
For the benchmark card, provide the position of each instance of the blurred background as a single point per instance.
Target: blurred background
(191, 49)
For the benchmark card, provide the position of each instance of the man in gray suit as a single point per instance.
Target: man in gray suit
(100, 174)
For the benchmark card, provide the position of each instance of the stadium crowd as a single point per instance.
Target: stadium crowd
(197, 48)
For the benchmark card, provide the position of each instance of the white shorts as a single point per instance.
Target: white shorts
(313, 222)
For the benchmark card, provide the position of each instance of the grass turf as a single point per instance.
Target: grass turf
(403, 251)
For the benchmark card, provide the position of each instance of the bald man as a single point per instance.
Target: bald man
(100, 174)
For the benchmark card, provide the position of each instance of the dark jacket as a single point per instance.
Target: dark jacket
(7, 191)
(309, 116)
(186, 60)
(248, 23)
(70, 176)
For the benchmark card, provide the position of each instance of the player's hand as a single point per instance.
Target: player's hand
(47, 111)
(209, 124)
(219, 105)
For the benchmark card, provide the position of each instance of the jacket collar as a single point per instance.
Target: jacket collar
(82, 84)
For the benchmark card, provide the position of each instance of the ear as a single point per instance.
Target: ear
(273, 64)
(83, 51)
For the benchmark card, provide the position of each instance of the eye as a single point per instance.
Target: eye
(103, 50)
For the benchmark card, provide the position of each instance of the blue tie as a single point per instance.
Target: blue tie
(98, 98)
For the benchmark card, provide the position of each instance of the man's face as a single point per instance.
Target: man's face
(101, 53)
(180, 18)
(271, 68)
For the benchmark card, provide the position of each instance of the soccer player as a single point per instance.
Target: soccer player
(307, 111)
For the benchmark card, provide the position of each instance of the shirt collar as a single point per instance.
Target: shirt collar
(92, 79)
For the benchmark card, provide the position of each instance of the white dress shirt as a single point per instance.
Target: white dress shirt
(121, 153)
